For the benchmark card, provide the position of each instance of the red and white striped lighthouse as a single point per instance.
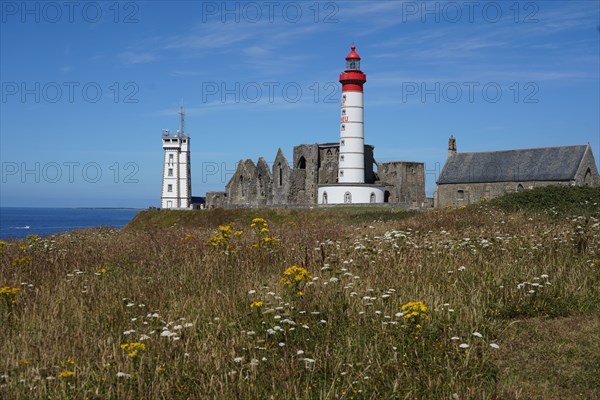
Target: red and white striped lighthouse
(351, 187)
(352, 137)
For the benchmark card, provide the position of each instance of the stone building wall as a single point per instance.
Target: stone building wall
(404, 182)
(450, 195)
(587, 173)
(281, 180)
(328, 167)
(216, 199)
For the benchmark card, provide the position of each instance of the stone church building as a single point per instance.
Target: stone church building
(296, 184)
(469, 177)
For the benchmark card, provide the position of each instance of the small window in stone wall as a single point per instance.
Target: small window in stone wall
(341, 173)
(170, 171)
(343, 127)
(169, 188)
(342, 142)
(460, 194)
(520, 188)
(302, 163)
(280, 174)
(342, 157)
(587, 178)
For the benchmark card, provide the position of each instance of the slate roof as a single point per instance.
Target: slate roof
(543, 164)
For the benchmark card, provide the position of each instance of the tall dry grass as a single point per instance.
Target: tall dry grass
(217, 321)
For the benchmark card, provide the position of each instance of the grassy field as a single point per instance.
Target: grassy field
(482, 302)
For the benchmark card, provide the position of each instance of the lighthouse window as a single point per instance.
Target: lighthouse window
(343, 127)
(341, 174)
(169, 188)
(342, 142)
(343, 111)
(344, 98)
(170, 158)
(342, 158)
(170, 171)
(353, 64)
(324, 197)
(373, 198)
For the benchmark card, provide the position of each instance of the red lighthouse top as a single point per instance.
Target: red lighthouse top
(353, 55)
(352, 78)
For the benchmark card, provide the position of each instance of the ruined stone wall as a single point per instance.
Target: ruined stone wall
(242, 188)
(404, 182)
(281, 180)
(264, 184)
(305, 175)
(216, 199)
(329, 161)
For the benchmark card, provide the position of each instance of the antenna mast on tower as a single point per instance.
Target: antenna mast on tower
(182, 117)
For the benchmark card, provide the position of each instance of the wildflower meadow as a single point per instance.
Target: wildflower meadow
(337, 303)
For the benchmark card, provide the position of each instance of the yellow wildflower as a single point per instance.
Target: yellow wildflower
(257, 304)
(23, 362)
(299, 273)
(102, 270)
(66, 374)
(134, 346)
(21, 261)
(160, 370)
(33, 237)
(8, 291)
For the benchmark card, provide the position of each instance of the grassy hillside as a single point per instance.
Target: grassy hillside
(475, 303)
(552, 200)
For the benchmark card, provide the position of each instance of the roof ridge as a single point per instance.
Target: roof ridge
(527, 148)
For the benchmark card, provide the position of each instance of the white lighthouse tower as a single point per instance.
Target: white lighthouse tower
(176, 183)
(351, 187)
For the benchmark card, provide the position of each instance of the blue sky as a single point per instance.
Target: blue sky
(87, 87)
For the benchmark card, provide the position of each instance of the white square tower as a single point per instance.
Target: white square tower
(176, 182)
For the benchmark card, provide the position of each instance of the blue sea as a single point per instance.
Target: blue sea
(18, 222)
